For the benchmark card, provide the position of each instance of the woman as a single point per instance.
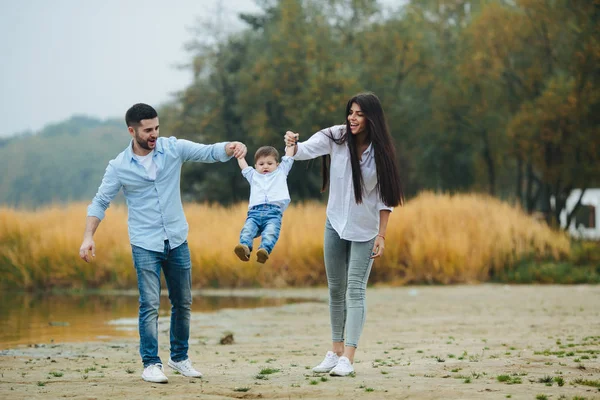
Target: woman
(364, 185)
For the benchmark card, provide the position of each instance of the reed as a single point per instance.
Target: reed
(433, 239)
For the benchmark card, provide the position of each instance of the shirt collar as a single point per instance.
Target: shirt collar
(159, 146)
(129, 152)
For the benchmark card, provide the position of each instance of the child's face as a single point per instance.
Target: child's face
(267, 164)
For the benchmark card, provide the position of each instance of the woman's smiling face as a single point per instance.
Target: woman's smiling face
(357, 120)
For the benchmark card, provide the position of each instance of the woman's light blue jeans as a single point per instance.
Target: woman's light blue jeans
(177, 266)
(348, 265)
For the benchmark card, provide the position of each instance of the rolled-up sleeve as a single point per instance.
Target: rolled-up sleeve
(107, 191)
(317, 145)
(384, 207)
(381, 205)
(207, 153)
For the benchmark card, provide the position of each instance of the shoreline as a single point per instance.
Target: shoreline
(421, 342)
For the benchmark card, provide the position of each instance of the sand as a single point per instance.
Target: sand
(418, 343)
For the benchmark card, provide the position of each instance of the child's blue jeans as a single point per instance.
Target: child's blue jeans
(263, 220)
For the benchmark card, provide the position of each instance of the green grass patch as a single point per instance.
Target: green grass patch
(509, 380)
(559, 380)
(582, 266)
(268, 371)
(587, 382)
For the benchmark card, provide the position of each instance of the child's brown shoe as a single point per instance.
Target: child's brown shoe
(243, 252)
(262, 255)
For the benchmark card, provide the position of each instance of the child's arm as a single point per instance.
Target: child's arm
(247, 171)
(288, 159)
(243, 164)
(290, 150)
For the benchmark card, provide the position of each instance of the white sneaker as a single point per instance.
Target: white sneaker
(330, 361)
(343, 367)
(185, 368)
(154, 373)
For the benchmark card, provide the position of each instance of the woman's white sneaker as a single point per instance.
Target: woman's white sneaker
(330, 361)
(154, 373)
(185, 368)
(343, 367)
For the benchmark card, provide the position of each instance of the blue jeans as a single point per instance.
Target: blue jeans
(348, 265)
(263, 220)
(177, 267)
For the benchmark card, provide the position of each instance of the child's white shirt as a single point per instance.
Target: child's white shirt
(270, 188)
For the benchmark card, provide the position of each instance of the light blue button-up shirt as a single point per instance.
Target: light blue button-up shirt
(154, 205)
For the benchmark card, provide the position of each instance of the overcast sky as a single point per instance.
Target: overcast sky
(64, 57)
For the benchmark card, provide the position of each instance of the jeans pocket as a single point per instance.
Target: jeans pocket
(180, 257)
(144, 259)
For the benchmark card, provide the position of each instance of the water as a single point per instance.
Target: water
(35, 319)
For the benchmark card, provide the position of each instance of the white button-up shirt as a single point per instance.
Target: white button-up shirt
(270, 188)
(354, 222)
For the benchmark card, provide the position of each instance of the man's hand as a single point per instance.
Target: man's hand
(87, 246)
(236, 149)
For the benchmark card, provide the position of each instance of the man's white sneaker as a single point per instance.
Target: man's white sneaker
(185, 368)
(330, 361)
(154, 373)
(343, 367)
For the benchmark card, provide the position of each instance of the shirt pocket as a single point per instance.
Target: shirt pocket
(340, 166)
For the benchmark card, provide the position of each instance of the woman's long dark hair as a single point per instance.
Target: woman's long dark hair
(388, 186)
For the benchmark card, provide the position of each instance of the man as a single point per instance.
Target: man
(148, 171)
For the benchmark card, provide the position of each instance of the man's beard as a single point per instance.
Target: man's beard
(142, 143)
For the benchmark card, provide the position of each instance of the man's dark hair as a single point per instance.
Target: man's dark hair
(138, 112)
(266, 151)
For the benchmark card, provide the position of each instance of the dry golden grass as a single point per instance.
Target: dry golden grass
(434, 238)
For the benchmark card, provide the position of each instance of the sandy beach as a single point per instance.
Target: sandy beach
(456, 342)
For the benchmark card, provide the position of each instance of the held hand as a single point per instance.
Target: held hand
(291, 138)
(236, 149)
(87, 246)
(378, 247)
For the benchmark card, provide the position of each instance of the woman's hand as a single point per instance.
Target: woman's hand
(291, 138)
(378, 246)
